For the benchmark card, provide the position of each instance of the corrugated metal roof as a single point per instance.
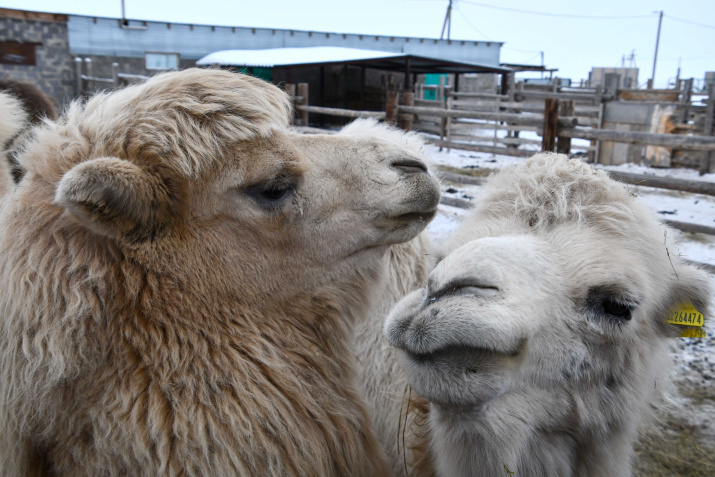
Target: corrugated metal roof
(272, 57)
(325, 55)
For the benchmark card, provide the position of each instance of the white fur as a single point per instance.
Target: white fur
(529, 366)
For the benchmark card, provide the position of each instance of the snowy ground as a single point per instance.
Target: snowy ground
(695, 361)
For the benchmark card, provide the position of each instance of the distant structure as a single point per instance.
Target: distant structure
(41, 47)
(628, 77)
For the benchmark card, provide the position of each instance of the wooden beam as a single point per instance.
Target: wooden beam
(303, 92)
(479, 148)
(675, 141)
(522, 119)
(406, 120)
(696, 187)
(551, 116)
(705, 165)
(563, 144)
(391, 106)
(346, 113)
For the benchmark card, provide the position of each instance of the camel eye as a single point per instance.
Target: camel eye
(271, 195)
(616, 309)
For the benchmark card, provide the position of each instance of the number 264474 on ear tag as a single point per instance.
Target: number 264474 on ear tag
(687, 315)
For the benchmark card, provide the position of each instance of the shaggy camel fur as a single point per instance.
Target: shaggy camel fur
(178, 280)
(36, 104)
(542, 339)
(13, 119)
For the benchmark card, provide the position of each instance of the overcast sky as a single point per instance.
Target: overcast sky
(573, 35)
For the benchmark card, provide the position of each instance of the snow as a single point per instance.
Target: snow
(666, 204)
(271, 57)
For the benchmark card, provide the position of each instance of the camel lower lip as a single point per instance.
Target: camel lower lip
(416, 216)
(458, 351)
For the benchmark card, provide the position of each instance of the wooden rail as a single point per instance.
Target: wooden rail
(515, 118)
(346, 113)
(675, 141)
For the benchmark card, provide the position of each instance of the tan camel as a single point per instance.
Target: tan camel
(542, 339)
(179, 276)
(13, 119)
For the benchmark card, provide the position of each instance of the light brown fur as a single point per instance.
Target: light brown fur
(162, 314)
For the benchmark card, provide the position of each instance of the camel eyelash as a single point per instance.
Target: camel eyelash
(611, 302)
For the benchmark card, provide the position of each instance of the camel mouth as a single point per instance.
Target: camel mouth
(474, 358)
(421, 216)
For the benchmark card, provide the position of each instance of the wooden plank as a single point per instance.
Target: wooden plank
(696, 187)
(551, 115)
(516, 118)
(303, 92)
(480, 95)
(545, 95)
(706, 165)
(563, 143)
(479, 148)
(675, 141)
(501, 127)
(391, 104)
(460, 178)
(406, 120)
(456, 202)
(347, 113)
(691, 228)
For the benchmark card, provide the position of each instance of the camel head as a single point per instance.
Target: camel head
(199, 167)
(559, 283)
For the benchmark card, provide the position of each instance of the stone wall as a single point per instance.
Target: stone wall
(53, 71)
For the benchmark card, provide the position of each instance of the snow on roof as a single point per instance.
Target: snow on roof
(290, 56)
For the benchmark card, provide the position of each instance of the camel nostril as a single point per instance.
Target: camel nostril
(410, 166)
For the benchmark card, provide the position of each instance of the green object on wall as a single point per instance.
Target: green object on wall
(262, 73)
(433, 78)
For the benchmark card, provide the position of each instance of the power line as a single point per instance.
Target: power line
(690, 22)
(550, 14)
(472, 25)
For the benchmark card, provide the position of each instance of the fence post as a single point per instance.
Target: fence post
(706, 163)
(391, 105)
(685, 101)
(115, 74)
(408, 99)
(440, 90)
(563, 144)
(448, 120)
(303, 93)
(88, 68)
(551, 117)
(78, 75)
(290, 90)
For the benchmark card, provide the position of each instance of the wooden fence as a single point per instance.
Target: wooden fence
(86, 79)
(496, 123)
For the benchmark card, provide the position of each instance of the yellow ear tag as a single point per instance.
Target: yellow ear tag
(687, 315)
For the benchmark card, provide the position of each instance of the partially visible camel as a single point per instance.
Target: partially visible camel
(13, 119)
(36, 104)
(179, 276)
(542, 338)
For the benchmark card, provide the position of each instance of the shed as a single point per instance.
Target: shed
(338, 76)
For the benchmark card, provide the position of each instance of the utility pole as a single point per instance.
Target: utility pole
(447, 22)
(655, 56)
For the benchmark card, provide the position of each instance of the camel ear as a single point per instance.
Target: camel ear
(691, 296)
(115, 198)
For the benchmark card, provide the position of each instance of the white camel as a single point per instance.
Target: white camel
(542, 339)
